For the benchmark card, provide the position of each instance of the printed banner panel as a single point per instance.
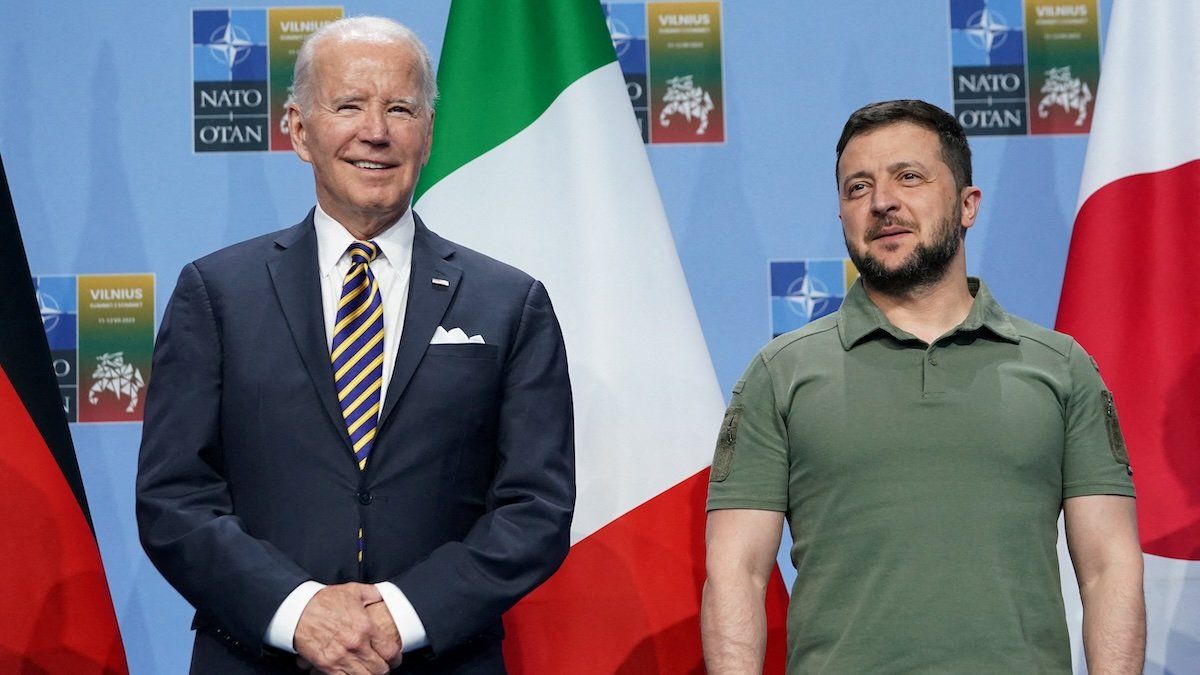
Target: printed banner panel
(1024, 67)
(242, 61)
(101, 333)
(671, 56)
(1064, 65)
(804, 290)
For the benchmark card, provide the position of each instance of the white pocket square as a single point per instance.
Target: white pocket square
(454, 336)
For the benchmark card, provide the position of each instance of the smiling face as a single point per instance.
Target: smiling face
(367, 133)
(902, 215)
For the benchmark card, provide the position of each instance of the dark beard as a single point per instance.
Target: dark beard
(925, 266)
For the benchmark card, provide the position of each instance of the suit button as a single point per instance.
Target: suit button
(365, 498)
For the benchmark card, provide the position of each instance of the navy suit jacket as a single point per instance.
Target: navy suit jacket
(247, 484)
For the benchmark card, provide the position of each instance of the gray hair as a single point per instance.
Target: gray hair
(372, 29)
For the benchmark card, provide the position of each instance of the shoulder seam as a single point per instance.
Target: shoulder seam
(801, 334)
(208, 302)
(526, 305)
(1047, 337)
(1047, 344)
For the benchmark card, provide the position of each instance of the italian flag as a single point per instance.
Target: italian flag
(538, 161)
(1128, 297)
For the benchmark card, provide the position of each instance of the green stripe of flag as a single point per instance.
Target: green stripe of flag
(503, 63)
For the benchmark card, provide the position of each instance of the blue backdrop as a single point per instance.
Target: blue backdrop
(96, 134)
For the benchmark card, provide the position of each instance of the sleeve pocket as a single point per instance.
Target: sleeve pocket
(726, 442)
(1116, 440)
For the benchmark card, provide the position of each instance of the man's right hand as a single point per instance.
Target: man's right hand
(337, 634)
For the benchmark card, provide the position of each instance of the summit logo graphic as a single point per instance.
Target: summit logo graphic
(671, 56)
(100, 328)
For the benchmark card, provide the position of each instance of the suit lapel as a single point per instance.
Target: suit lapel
(427, 303)
(294, 273)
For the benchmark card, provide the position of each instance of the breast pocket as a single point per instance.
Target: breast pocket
(463, 376)
(468, 350)
(456, 394)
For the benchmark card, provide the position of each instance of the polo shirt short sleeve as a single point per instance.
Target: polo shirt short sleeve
(750, 464)
(1094, 455)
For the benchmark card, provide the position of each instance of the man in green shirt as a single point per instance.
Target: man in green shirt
(921, 444)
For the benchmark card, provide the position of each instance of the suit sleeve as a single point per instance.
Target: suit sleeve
(463, 587)
(184, 510)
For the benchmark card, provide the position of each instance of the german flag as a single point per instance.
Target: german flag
(56, 615)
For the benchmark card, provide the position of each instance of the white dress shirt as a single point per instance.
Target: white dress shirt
(391, 269)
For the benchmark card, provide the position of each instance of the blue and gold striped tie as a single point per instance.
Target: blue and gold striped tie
(357, 353)
(357, 350)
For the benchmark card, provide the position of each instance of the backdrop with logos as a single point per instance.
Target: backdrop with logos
(140, 136)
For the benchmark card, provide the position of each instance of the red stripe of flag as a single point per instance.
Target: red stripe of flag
(56, 615)
(627, 599)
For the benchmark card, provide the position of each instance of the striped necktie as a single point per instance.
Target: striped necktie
(357, 350)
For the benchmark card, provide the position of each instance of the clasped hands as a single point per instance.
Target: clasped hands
(347, 628)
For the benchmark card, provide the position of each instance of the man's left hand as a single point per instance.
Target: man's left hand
(385, 627)
(347, 628)
(385, 630)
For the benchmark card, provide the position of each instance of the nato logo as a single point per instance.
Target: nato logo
(58, 301)
(987, 44)
(805, 290)
(229, 71)
(987, 32)
(627, 26)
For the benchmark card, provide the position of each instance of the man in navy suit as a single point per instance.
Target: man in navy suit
(358, 439)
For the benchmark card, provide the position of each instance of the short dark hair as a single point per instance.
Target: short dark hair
(955, 151)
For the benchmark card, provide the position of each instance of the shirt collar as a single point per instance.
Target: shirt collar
(859, 317)
(987, 313)
(395, 243)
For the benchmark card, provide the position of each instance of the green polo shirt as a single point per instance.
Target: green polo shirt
(922, 485)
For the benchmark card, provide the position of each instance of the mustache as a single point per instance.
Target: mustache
(880, 223)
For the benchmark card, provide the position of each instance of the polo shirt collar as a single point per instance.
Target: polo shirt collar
(987, 313)
(858, 317)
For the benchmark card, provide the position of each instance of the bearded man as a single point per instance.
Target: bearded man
(921, 443)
